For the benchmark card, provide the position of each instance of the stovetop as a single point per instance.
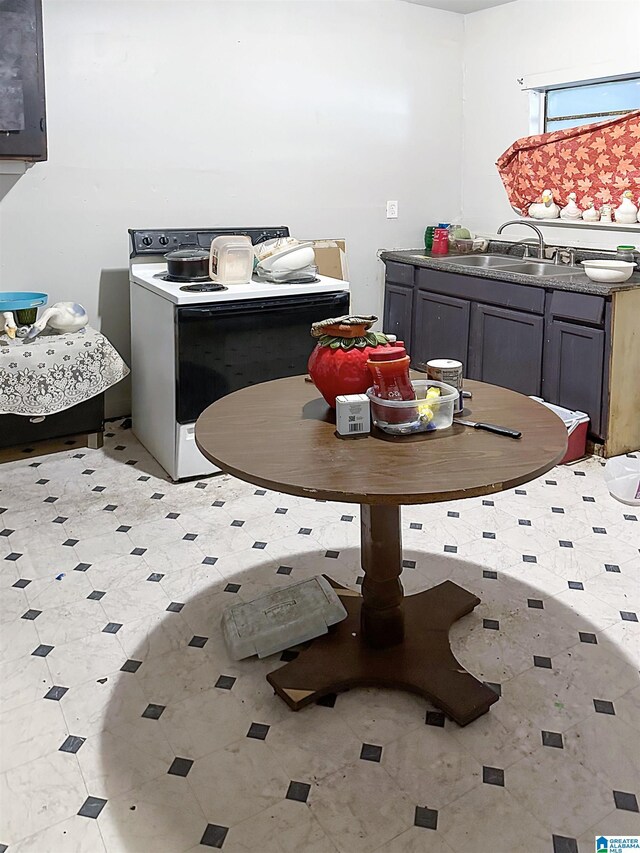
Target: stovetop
(149, 269)
(152, 277)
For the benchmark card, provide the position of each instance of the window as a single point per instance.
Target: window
(577, 105)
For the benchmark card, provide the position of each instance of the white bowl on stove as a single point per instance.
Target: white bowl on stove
(290, 259)
(608, 271)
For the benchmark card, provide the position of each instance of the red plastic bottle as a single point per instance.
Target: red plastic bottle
(389, 368)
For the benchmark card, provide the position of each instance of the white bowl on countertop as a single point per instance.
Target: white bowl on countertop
(608, 271)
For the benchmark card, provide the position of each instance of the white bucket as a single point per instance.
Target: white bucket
(622, 476)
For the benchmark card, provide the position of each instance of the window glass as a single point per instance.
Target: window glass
(580, 105)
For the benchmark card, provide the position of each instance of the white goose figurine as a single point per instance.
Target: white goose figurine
(627, 213)
(9, 324)
(571, 212)
(63, 317)
(591, 214)
(547, 209)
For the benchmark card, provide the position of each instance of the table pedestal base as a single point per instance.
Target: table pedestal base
(422, 663)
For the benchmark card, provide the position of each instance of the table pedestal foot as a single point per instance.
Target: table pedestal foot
(423, 663)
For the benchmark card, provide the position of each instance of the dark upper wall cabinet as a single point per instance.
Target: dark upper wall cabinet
(22, 100)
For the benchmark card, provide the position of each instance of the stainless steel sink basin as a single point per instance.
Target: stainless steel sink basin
(539, 269)
(483, 261)
(528, 266)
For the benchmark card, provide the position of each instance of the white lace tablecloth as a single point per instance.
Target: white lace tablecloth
(56, 371)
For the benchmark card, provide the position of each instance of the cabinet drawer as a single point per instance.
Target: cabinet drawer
(399, 273)
(83, 417)
(577, 306)
(487, 291)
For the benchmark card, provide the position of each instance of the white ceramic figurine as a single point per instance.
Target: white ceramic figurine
(627, 213)
(8, 324)
(63, 317)
(546, 209)
(571, 212)
(591, 214)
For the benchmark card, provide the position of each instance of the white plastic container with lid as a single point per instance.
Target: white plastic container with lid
(231, 259)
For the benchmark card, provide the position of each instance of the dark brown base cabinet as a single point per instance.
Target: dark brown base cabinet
(549, 343)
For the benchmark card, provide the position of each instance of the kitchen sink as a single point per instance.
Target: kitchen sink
(528, 266)
(483, 261)
(540, 269)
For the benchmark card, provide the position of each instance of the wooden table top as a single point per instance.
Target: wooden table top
(281, 435)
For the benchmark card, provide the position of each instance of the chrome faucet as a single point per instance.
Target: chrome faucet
(530, 225)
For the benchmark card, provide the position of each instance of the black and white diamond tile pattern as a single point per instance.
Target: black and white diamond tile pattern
(132, 729)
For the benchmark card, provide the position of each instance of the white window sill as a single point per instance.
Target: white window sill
(580, 224)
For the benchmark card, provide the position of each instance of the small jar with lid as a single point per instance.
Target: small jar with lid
(626, 253)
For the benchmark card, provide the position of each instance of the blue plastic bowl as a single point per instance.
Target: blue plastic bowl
(20, 299)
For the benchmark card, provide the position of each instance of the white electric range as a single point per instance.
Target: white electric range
(189, 348)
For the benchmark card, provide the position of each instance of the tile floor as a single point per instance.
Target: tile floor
(127, 729)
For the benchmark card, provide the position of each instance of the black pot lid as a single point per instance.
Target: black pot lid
(187, 255)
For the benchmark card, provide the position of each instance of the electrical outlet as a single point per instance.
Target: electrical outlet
(392, 210)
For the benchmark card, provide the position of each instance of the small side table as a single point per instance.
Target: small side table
(53, 387)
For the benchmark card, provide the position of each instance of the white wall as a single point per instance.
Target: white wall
(512, 41)
(183, 113)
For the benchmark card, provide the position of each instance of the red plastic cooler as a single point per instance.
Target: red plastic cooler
(577, 424)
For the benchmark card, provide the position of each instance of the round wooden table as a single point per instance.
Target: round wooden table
(281, 435)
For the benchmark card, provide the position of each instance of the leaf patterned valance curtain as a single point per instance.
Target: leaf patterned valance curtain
(596, 161)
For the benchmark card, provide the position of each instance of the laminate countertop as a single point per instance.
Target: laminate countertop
(578, 283)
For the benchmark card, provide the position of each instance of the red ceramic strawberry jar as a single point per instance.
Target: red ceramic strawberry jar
(338, 364)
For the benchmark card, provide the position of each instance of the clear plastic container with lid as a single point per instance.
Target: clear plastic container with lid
(432, 409)
(231, 259)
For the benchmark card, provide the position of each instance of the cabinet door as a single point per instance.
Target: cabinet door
(505, 348)
(22, 117)
(397, 311)
(573, 369)
(440, 328)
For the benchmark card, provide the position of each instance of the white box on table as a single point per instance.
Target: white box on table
(353, 415)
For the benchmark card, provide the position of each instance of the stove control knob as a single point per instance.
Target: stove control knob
(163, 240)
(147, 241)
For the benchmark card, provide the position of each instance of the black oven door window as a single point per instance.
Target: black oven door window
(222, 348)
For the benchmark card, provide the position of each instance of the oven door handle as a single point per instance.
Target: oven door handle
(226, 309)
